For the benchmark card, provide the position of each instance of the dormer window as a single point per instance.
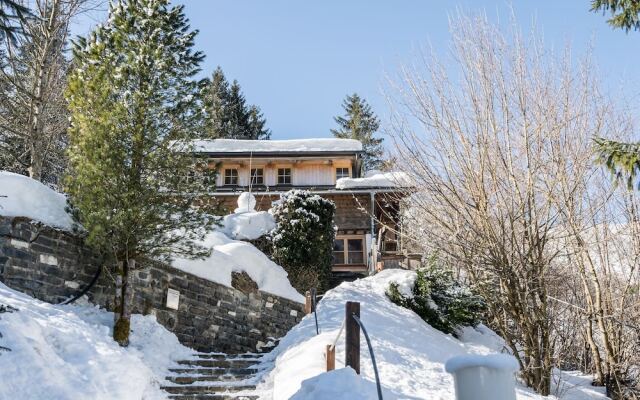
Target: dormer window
(342, 173)
(257, 176)
(230, 176)
(284, 176)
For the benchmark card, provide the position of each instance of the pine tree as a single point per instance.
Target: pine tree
(216, 95)
(228, 115)
(625, 14)
(11, 12)
(360, 122)
(134, 108)
(622, 159)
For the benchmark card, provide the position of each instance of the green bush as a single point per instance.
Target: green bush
(439, 299)
(302, 242)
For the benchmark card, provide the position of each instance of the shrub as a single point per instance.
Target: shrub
(302, 241)
(439, 299)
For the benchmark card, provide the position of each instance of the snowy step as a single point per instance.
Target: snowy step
(189, 379)
(216, 363)
(214, 376)
(216, 356)
(214, 371)
(212, 397)
(207, 389)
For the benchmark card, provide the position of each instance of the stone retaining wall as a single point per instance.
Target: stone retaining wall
(52, 265)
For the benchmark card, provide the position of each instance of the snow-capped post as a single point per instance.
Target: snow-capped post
(352, 336)
(490, 377)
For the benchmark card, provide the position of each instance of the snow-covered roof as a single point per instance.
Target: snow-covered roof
(376, 179)
(327, 145)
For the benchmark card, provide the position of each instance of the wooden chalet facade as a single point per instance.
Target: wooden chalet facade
(367, 217)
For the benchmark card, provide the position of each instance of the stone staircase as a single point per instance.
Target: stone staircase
(215, 376)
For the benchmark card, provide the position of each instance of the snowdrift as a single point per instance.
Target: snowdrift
(29, 198)
(66, 352)
(229, 255)
(410, 353)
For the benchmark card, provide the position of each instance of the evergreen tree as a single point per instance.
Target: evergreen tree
(12, 11)
(361, 123)
(622, 159)
(302, 241)
(228, 115)
(134, 107)
(625, 14)
(217, 97)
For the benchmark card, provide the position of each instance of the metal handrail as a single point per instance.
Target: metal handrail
(373, 358)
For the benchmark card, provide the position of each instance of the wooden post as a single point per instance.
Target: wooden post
(352, 336)
(307, 302)
(331, 358)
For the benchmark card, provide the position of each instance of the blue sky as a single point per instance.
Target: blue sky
(298, 59)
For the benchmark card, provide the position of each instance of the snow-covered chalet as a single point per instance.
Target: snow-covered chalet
(367, 207)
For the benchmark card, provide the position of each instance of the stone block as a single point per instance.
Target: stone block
(48, 259)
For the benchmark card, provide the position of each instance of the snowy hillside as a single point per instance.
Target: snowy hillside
(410, 353)
(66, 352)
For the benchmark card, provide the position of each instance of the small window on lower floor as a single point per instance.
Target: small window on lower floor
(349, 250)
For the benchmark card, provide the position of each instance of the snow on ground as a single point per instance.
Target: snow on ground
(21, 196)
(376, 179)
(331, 145)
(410, 353)
(66, 352)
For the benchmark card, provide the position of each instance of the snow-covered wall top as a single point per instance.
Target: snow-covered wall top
(376, 179)
(277, 146)
(21, 196)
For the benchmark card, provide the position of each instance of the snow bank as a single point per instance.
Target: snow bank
(66, 352)
(21, 196)
(341, 384)
(229, 256)
(376, 179)
(410, 353)
(331, 145)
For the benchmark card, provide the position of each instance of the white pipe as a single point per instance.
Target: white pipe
(490, 377)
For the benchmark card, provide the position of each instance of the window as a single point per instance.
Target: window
(348, 250)
(342, 173)
(230, 176)
(284, 176)
(257, 176)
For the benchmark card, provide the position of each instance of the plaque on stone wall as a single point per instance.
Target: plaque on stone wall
(173, 299)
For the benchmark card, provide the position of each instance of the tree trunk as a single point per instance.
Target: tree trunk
(122, 312)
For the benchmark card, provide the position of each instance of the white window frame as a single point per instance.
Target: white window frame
(290, 175)
(348, 174)
(231, 177)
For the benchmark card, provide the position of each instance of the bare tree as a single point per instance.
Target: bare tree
(498, 141)
(33, 70)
